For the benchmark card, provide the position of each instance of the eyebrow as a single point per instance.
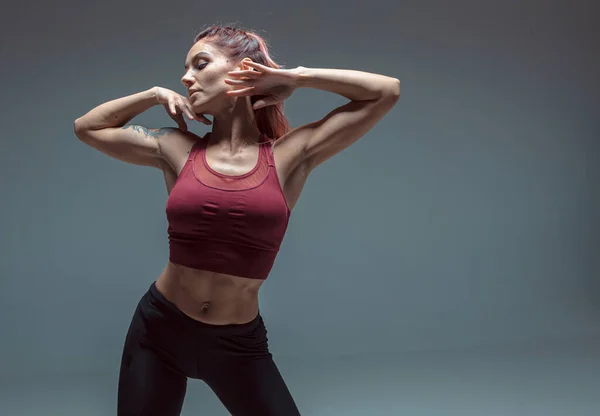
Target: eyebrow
(196, 56)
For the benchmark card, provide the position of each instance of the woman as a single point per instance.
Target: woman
(230, 196)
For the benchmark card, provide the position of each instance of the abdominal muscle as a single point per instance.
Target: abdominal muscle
(210, 297)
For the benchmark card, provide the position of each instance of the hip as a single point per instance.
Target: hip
(190, 347)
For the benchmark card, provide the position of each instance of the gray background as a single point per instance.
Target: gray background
(447, 263)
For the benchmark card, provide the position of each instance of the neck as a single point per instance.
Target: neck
(235, 127)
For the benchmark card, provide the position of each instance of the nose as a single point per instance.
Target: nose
(187, 80)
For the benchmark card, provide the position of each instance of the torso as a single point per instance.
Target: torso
(216, 298)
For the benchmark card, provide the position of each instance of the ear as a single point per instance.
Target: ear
(243, 66)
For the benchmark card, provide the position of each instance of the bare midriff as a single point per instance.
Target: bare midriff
(213, 298)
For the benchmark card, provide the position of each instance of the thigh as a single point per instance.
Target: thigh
(147, 384)
(253, 387)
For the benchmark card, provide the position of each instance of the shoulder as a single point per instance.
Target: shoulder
(176, 145)
(289, 150)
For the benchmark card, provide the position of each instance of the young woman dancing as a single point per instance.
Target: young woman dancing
(230, 197)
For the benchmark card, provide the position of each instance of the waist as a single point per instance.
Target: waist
(210, 297)
(222, 257)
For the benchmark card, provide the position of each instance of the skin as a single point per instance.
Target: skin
(231, 148)
(210, 297)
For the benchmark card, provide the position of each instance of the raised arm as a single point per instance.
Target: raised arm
(104, 128)
(372, 97)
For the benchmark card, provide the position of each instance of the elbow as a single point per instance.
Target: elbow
(79, 127)
(394, 88)
(390, 91)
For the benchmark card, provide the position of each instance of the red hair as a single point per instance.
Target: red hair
(239, 44)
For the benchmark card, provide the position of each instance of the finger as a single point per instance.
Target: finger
(256, 65)
(189, 113)
(264, 102)
(205, 120)
(242, 92)
(201, 118)
(237, 81)
(181, 122)
(250, 73)
(172, 108)
(180, 107)
(188, 110)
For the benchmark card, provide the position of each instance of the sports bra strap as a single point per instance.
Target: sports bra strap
(268, 149)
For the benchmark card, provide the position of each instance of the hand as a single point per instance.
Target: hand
(176, 105)
(274, 84)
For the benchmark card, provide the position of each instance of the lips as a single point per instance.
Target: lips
(192, 92)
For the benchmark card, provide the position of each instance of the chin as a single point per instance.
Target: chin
(199, 106)
(216, 104)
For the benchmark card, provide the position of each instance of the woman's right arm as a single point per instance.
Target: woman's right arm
(104, 128)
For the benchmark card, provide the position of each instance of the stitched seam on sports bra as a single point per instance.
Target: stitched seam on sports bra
(232, 177)
(202, 151)
(241, 245)
(271, 161)
(226, 189)
(181, 172)
(185, 166)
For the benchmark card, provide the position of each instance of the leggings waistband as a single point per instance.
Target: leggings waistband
(169, 308)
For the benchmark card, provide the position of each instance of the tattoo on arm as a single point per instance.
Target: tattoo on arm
(154, 133)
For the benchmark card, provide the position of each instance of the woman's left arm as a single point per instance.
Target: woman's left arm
(372, 96)
(352, 84)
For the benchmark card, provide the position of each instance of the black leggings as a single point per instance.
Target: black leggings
(164, 347)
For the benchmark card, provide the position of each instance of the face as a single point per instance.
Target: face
(206, 69)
